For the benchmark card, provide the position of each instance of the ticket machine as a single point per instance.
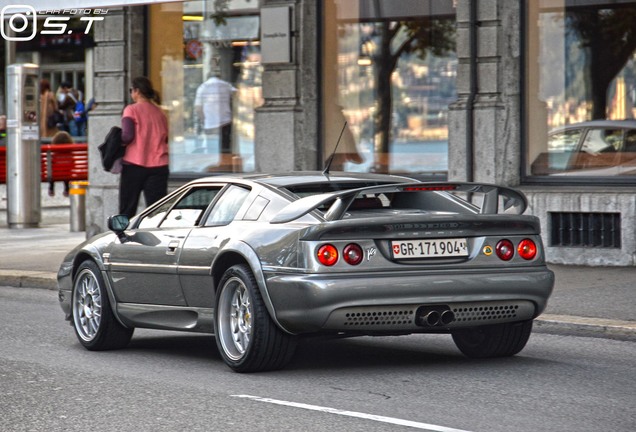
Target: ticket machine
(23, 146)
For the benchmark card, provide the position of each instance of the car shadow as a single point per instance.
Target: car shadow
(434, 352)
(320, 353)
(198, 346)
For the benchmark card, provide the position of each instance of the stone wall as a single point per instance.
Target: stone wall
(543, 201)
(118, 57)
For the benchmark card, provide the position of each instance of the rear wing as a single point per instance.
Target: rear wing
(477, 198)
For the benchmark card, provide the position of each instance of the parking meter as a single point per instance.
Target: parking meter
(23, 146)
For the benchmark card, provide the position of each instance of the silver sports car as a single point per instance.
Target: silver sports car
(263, 260)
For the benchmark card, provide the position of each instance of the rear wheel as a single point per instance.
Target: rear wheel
(500, 340)
(95, 325)
(246, 336)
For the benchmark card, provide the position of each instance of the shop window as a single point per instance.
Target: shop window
(205, 62)
(581, 90)
(389, 76)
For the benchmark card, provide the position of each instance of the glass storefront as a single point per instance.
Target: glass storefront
(204, 58)
(389, 76)
(581, 89)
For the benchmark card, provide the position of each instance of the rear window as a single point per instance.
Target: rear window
(304, 190)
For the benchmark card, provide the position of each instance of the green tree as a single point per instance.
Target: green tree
(423, 36)
(609, 35)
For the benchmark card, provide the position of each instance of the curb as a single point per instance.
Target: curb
(28, 279)
(586, 327)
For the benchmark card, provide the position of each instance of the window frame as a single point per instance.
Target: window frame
(526, 177)
(219, 199)
(174, 200)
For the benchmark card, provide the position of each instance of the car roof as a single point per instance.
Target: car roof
(282, 180)
(624, 124)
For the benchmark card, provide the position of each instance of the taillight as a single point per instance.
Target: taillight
(505, 250)
(527, 249)
(352, 254)
(327, 255)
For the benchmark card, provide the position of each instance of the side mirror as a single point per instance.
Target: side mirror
(118, 225)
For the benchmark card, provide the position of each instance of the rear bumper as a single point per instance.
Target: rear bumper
(328, 302)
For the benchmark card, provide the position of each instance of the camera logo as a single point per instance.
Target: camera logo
(18, 22)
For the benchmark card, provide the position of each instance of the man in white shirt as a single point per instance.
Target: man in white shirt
(213, 104)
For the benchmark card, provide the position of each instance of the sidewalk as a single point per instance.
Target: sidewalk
(587, 301)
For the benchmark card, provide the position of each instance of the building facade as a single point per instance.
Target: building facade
(490, 91)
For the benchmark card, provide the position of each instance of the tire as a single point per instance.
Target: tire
(500, 340)
(246, 336)
(96, 327)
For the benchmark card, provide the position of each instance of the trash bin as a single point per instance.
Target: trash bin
(77, 193)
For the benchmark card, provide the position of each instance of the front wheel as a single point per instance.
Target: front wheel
(246, 336)
(95, 325)
(499, 340)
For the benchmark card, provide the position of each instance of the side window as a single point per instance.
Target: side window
(564, 141)
(227, 206)
(154, 218)
(602, 141)
(630, 141)
(188, 211)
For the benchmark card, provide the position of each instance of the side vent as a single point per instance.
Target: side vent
(585, 230)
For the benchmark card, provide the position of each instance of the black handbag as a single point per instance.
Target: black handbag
(54, 119)
(111, 149)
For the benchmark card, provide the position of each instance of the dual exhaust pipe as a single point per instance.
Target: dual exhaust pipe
(434, 316)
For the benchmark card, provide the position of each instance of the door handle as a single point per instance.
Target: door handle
(172, 247)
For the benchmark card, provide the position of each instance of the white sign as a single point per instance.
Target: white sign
(275, 35)
(30, 133)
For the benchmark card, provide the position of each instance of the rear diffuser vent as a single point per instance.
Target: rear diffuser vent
(486, 313)
(379, 318)
(585, 230)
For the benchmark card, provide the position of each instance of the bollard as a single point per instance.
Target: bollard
(77, 193)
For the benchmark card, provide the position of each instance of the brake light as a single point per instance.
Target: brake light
(505, 250)
(327, 254)
(429, 188)
(352, 254)
(527, 249)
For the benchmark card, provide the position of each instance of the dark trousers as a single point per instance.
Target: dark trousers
(153, 182)
(225, 145)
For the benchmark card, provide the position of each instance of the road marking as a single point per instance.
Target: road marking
(395, 421)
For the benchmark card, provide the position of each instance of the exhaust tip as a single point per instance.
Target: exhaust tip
(432, 318)
(447, 317)
(434, 315)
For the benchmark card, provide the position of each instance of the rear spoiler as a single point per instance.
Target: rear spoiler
(490, 194)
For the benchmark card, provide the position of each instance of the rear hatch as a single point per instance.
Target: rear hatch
(417, 226)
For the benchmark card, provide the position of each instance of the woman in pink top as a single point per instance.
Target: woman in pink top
(145, 135)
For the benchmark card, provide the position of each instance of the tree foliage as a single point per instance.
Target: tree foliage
(609, 36)
(421, 37)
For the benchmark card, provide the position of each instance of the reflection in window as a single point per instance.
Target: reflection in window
(581, 59)
(589, 149)
(389, 71)
(188, 211)
(227, 206)
(181, 210)
(154, 218)
(206, 62)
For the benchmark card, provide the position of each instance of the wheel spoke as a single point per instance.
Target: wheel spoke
(87, 306)
(235, 318)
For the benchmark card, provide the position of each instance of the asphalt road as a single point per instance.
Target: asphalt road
(169, 381)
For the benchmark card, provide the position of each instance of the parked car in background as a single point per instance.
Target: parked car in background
(593, 148)
(263, 260)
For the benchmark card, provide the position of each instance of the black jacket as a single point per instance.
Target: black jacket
(111, 149)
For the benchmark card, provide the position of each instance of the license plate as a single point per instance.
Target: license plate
(429, 248)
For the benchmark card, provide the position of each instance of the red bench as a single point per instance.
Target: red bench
(3, 164)
(59, 162)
